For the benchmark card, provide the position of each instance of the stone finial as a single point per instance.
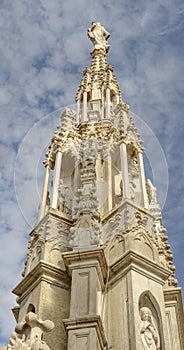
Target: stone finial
(28, 334)
(99, 35)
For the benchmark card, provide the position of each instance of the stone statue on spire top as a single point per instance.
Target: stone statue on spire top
(99, 35)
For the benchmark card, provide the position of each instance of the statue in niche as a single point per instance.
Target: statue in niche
(99, 35)
(67, 200)
(151, 191)
(133, 165)
(149, 333)
(64, 197)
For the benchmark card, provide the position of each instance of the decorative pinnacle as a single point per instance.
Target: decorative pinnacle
(99, 35)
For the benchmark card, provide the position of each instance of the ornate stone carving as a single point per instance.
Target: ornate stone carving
(148, 330)
(28, 334)
(133, 164)
(57, 231)
(34, 248)
(166, 257)
(87, 226)
(65, 138)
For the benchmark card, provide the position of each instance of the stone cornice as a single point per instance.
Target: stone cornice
(132, 261)
(42, 271)
(121, 205)
(84, 258)
(61, 216)
(56, 214)
(15, 310)
(87, 322)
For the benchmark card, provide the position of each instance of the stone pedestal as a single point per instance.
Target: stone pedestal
(85, 333)
(87, 269)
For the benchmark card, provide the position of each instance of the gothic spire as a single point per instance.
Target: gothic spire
(99, 92)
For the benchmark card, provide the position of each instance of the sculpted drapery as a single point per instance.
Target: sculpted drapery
(149, 333)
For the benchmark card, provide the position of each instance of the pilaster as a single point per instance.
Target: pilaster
(174, 317)
(88, 270)
(86, 333)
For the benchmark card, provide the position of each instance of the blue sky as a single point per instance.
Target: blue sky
(44, 50)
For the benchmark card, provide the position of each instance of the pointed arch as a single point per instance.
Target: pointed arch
(31, 308)
(116, 248)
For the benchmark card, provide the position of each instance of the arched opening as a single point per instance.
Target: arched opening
(147, 303)
(133, 173)
(31, 308)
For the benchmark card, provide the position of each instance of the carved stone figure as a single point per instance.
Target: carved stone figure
(99, 35)
(133, 165)
(151, 191)
(64, 197)
(132, 186)
(149, 333)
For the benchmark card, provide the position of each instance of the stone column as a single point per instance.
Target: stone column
(44, 193)
(108, 103)
(102, 107)
(88, 270)
(84, 110)
(98, 168)
(142, 181)
(56, 179)
(78, 111)
(109, 181)
(76, 177)
(124, 171)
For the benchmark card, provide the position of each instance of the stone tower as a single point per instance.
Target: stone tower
(99, 272)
